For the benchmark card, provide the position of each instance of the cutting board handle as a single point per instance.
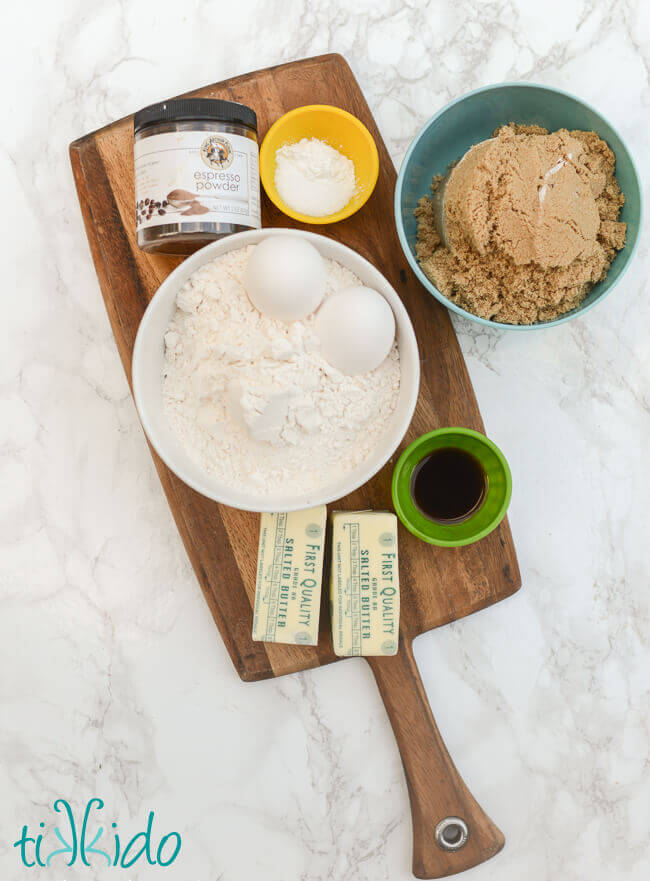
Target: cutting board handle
(442, 807)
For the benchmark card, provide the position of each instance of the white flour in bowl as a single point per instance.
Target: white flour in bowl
(250, 398)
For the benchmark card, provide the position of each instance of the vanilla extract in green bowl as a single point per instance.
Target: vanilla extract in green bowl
(451, 487)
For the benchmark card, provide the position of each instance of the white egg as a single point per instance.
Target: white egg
(285, 278)
(356, 329)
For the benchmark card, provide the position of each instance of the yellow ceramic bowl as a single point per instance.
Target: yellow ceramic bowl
(340, 130)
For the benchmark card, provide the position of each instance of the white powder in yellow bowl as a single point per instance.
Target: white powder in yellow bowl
(313, 178)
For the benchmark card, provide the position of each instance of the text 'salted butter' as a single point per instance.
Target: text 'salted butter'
(289, 576)
(364, 585)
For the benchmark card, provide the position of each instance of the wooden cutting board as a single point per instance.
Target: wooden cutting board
(438, 585)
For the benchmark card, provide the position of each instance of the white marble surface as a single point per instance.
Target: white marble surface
(113, 680)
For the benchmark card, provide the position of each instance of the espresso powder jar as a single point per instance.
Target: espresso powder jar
(196, 173)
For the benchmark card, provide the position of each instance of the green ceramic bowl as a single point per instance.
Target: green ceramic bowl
(472, 118)
(494, 506)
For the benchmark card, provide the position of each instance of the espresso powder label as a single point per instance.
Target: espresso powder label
(195, 177)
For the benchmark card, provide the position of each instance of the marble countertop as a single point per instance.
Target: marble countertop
(113, 679)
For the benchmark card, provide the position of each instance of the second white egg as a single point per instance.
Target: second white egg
(356, 329)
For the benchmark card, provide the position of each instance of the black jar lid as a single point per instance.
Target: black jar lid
(189, 109)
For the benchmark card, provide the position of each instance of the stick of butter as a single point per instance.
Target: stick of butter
(289, 577)
(364, 585)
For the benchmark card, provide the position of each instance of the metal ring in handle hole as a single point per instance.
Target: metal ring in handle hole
(451, 833)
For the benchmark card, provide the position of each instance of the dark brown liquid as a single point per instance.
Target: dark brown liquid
(448, 485)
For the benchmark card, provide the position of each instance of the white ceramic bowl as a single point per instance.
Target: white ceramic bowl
(147, 369)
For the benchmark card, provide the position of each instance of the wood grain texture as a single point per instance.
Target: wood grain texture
(437, 585)
(436, 789)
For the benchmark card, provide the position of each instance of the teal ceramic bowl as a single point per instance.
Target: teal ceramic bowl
(472, 118)
(488, 515)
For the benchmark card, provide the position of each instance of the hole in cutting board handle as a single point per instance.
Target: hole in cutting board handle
(451, 834)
